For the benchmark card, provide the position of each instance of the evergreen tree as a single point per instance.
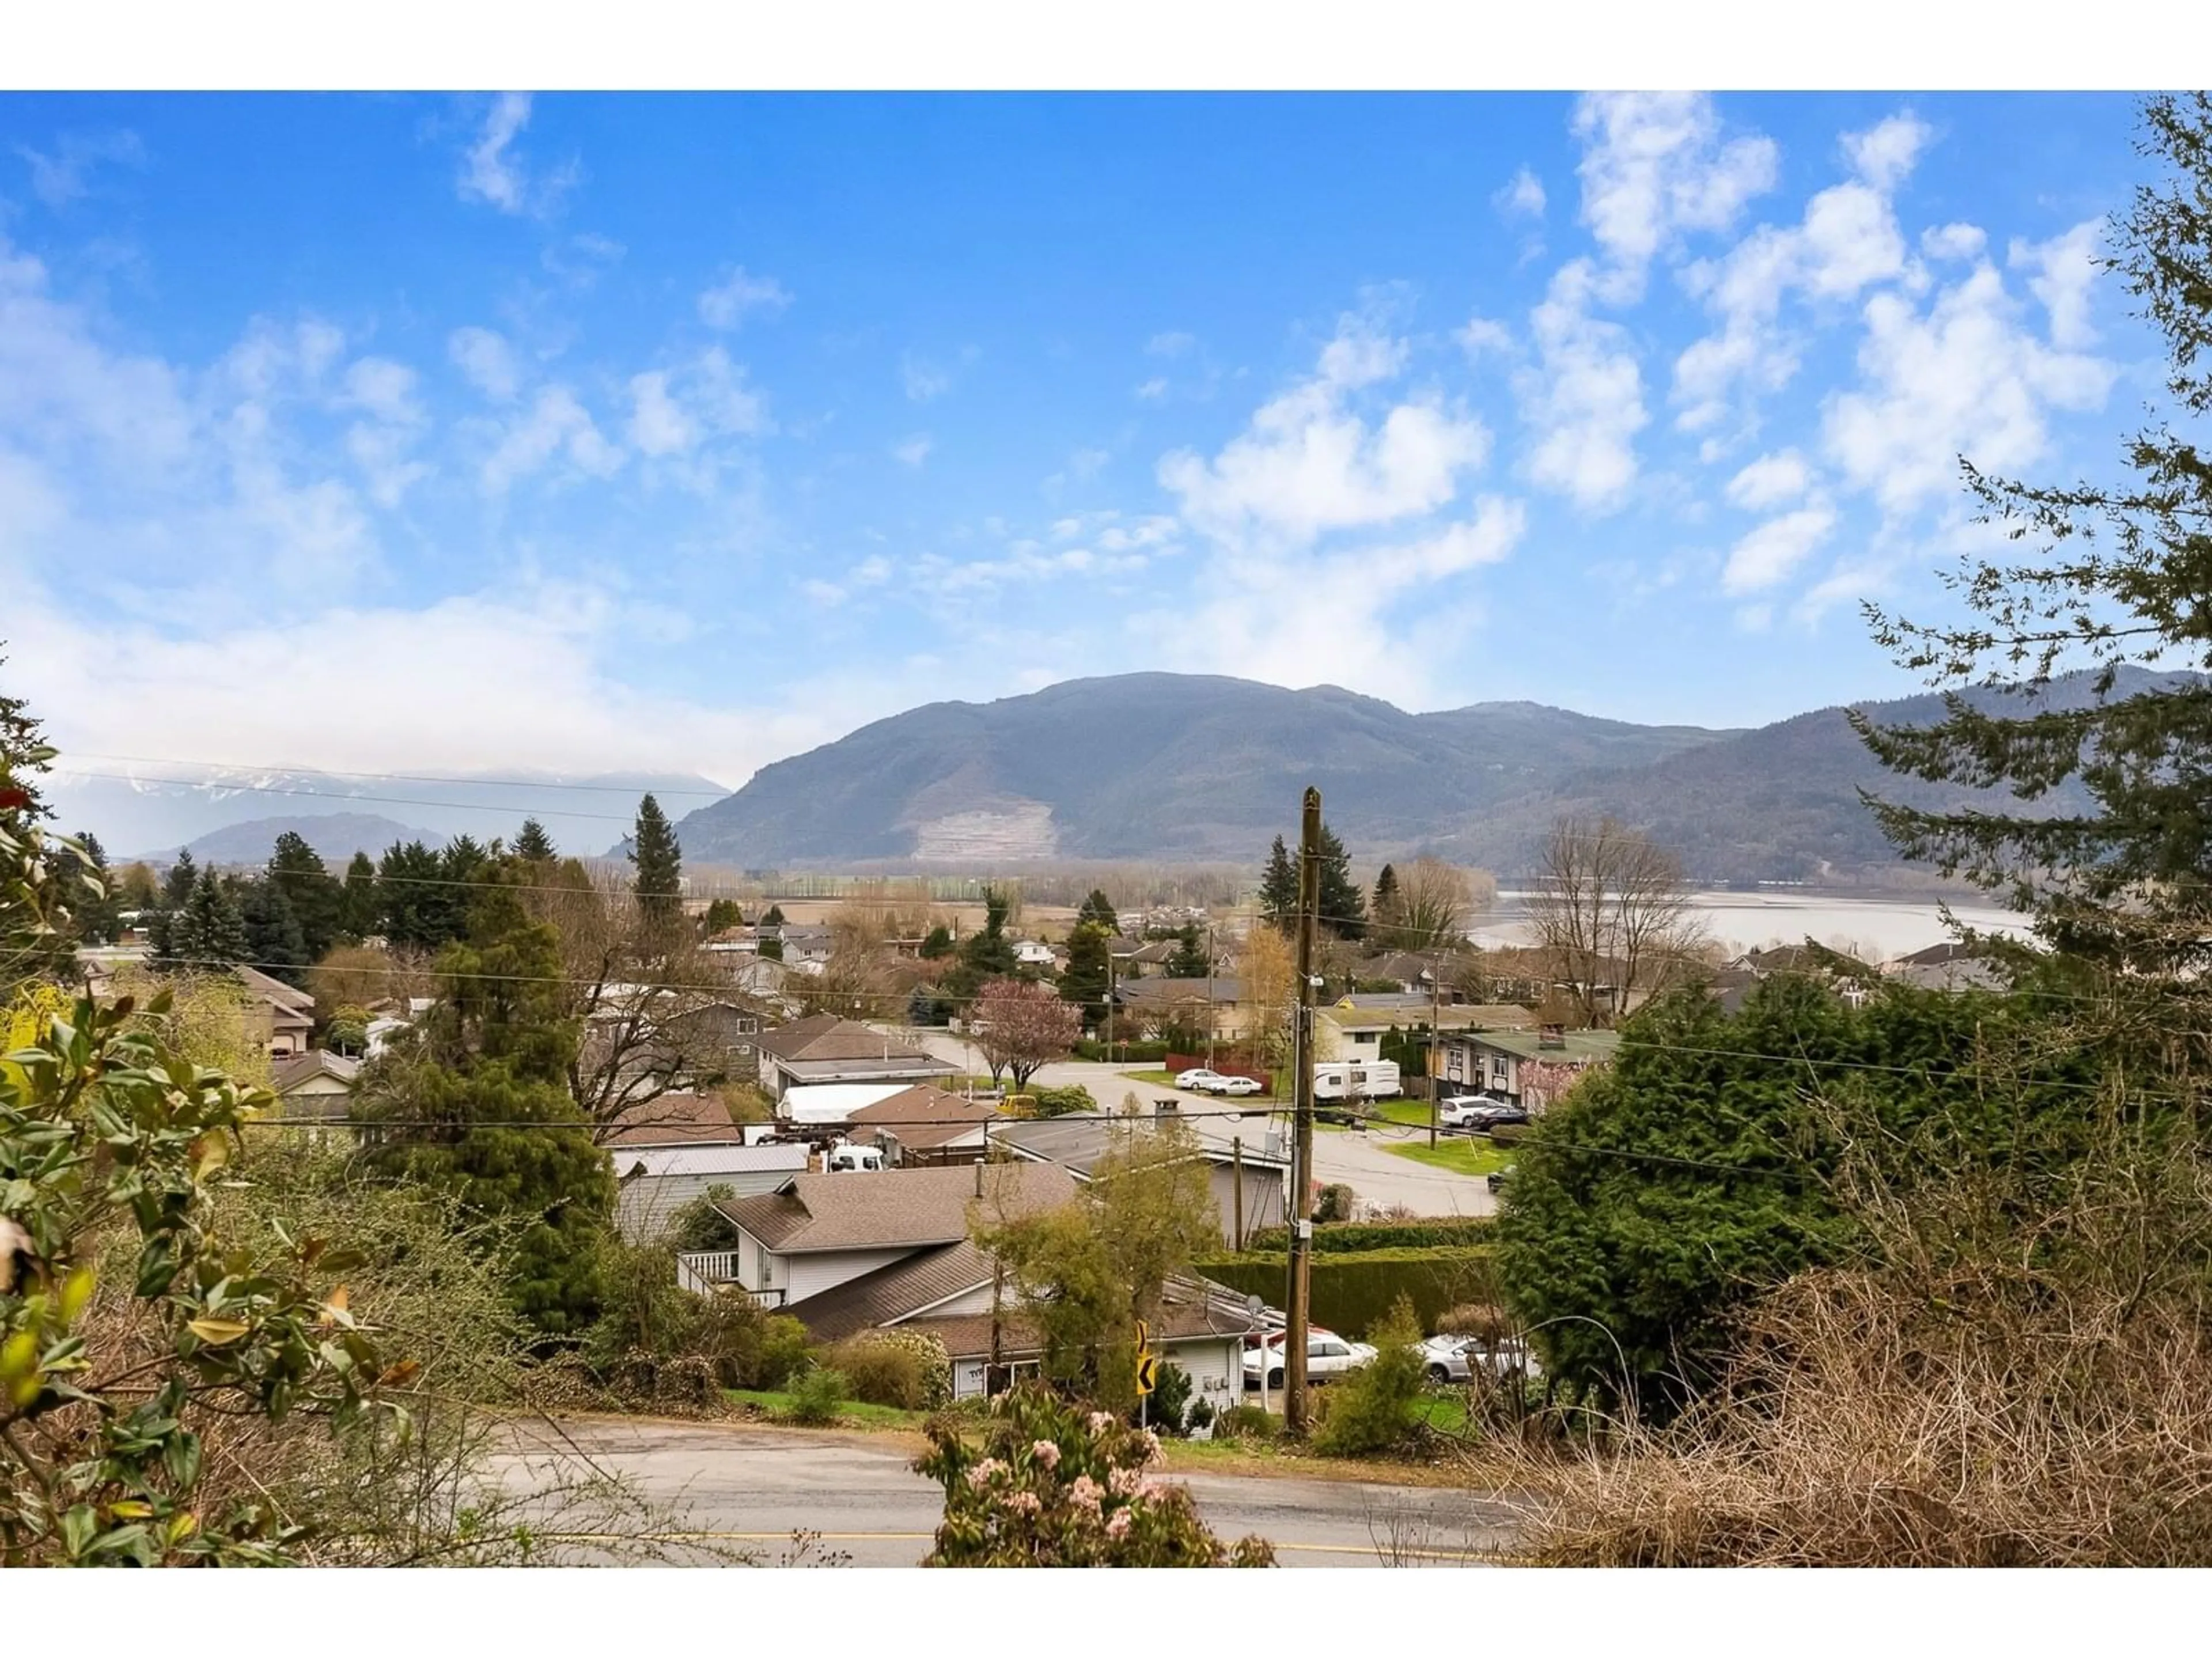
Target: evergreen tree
(413, 907)
(1343, 906)
(773, 918)
(533, 845)
(1384, 911)
(359, 909)
(1084, 980)
(177, 885)
(1099, 908)
(310, 892)
(275, 942)
(96, 916)
(1278, 889)
(659, 861)
(1190, 960)
(722, 914)
(480, 1106)
(937, 944)
(136, 887)
(2121, 578)
(207, 932)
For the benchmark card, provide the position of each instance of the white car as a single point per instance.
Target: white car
(1456, 1358)
(1327, 1355)
(1198, 1078)
(1235, 1085)
(1465, 1111)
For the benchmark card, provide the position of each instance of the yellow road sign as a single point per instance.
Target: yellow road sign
(1143, 1336)
(1148, 1372)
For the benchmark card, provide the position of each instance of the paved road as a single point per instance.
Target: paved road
(1361, 1160)
(752, 1486)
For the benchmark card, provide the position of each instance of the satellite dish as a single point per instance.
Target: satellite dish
(1253, 1305)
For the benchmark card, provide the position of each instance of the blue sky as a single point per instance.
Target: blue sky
(593, 432)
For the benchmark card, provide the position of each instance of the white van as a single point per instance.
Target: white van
(1356, 1079)
(845, 1156)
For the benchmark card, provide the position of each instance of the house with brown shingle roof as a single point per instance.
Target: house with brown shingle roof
(825, 1048)
(680, 1147)
(848, 1252)
(924, 1125)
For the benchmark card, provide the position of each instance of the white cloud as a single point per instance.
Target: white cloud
(1582, 399)
(1521, 197)
(556, 426)
(495, 172)
(1962, 378)
(1771, 552)
(488, 361)
(1309, 463)
(1482, 334)
(1173, 344)
(581, 260)
(382, 443)
(61, 178)
(726, 305)
(1654, 165)
(2064, 268)
(658, 423)
(1153, 390)
(923, 380)
(1884, 154)
(912, 451)
(1953, 241)
(1770, 480)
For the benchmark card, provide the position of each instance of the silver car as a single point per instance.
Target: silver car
(1456, 1358)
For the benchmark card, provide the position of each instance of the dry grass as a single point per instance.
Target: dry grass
(2034, 1393)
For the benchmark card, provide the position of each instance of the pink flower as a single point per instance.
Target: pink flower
(1152, 1447)
(1046, 1452)
(1118, 1526)
(1024, 1503)
(1125, 1483)
(984, 1473)
(1084, 1492)
(1101, 1421)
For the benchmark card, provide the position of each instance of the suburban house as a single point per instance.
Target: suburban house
(1163, 1001)
(673, 1150)
(285, 1012)
(1530, 1068)
(845, 1254)
(1950, 966)
(1034, 953)
(1077, 1142)
(825, 1048)
(1354, 1027)
(924, 1125)
(318, 1084)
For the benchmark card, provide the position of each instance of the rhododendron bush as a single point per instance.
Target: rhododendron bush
(1054, 1484)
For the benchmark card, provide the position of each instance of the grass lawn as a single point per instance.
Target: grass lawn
(1457, 1153)
(1163, 1080)
(852, 1413)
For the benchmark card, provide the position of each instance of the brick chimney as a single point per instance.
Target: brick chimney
(1551, 1034)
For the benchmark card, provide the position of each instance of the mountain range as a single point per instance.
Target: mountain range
(1197, 767)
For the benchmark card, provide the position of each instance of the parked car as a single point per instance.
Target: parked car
(1462, 1111)
(1327, 1355)
(1498, 1178)
(1457, 1358)
(1236, 1085)
(1490, 1117)
(1198, 1078)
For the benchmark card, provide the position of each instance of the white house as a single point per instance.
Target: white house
(844, 1253)
(678, 1148)
(1033, 953)
(824, 1049)
(1076, 1142)
(318, 1084)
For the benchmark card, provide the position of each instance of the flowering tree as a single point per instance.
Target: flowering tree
(1020, 1025)
(1059, 1486)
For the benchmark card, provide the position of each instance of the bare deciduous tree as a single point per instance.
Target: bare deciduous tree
(1612, 911)
(1431, 907)
(1020, 1025)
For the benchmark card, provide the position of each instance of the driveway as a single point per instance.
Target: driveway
(1359, 1159)
(752, 1486)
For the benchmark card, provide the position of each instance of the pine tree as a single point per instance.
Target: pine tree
(208, 933)
(773, 918)
(533, 845)
(1099, 908)
(659, 861)
(1343, 906)
(359, 908)
(721, 914)
(937, 944)
(1083, 980)
(310, 891)
(177, 885)
(96, 916)
(1190, 960)
(413, 907)
(1278, 889)
(275, 942)
(2128, 884)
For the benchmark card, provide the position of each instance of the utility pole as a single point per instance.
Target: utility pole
(1236, 1158)
(1300, 1297)
(1209, 996)
(1436, 1012)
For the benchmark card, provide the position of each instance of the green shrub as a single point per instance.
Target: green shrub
(782, 1354)
(1167, 1409)
(1246, 1423)
(1504, 1134)
(818, 1395)
(879, 1372)
(1059, 1103)
(1370, 1410)
(1128, 1053)
(1353, 1290)
(1351, 1235)
(1335, 1203)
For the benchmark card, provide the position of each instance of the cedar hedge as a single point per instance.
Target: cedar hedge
(1341, 1237)
(1087, 1048)
(1352, 1290)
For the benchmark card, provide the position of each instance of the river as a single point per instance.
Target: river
(1881, 928)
